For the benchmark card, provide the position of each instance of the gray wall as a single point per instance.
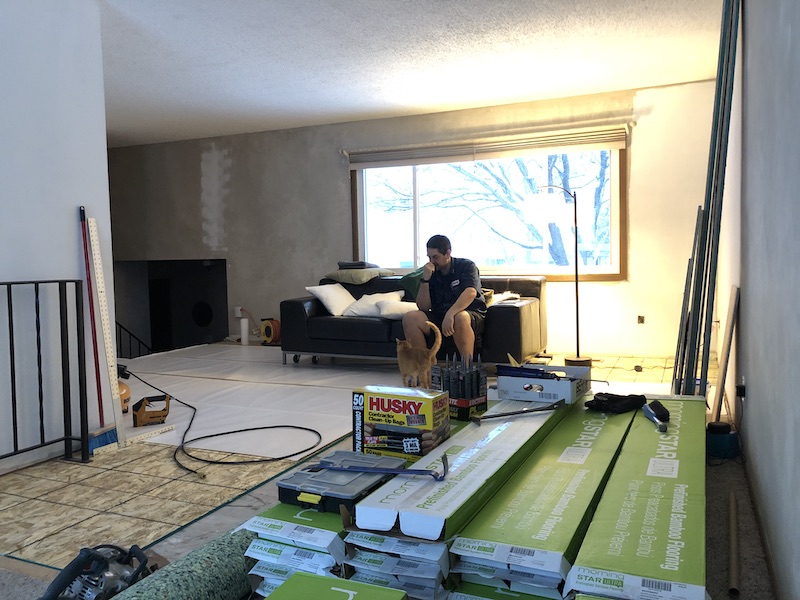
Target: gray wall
(770, 319)
(276, 205)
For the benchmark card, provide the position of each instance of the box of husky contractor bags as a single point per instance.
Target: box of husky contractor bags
(647, 537)
(398, 421)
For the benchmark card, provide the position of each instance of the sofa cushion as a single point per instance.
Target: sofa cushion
(370, 329)
(397, 332)
(373, 286)
(358, 276)
(367, 305)
(335, 297)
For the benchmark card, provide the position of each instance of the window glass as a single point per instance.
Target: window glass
(510, 215)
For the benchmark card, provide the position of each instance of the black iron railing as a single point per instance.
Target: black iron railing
(43, 367)
(128, 345)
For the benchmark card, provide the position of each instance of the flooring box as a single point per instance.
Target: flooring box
(398, 421)
(306, 585)
(536, 521)
(380, 562)
(481, 458)
(647, 538)
(528, 591)
(474, 568)
(432, 552)
(473, 591)
(414, 590)
(265, 577)
(421, 580)
(299, 559)
(305, 528)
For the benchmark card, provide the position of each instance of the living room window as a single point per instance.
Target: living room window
(512, 212)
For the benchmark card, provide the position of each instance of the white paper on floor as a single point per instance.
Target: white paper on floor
(243, 387)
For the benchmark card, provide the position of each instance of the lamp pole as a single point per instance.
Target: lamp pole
(577, 360)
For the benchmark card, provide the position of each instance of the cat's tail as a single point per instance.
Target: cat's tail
(437, 338)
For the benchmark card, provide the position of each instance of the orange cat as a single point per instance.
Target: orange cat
(415, 363)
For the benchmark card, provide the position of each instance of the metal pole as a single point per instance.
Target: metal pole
(575, 361)
(577, 255)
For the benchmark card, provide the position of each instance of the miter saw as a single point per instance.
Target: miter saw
(98, 573)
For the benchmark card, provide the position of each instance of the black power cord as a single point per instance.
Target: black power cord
(182, 447)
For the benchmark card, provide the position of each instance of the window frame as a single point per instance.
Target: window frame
(619, 242)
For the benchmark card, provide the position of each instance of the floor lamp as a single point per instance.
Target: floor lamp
(577, 360)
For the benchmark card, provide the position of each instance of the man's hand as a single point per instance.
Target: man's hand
(428, 269)
(447, 323)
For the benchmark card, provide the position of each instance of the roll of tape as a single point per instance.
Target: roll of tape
(270, 331)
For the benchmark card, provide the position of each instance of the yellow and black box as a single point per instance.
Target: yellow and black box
(398, 421)
(463, 409)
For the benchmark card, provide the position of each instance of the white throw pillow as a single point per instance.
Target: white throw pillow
(395, 309)
(367, 305)
(334, 296)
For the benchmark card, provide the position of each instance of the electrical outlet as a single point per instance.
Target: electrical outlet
(640, 319)
(237, 312)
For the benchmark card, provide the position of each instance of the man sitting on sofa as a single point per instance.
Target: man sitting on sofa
(449, 295)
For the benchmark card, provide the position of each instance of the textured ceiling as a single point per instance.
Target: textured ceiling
(184, 69)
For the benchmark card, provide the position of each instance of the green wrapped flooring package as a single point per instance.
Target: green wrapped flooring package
(472, 591)
(302, 527)
(647, 538)
(533, 526)
(481, 459)
(306, 585)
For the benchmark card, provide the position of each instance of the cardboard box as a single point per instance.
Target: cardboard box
(300, 559)
(472, 591)
(473, 567)
(414, 590)
(435, 553)
(536, 521)
(304, 528)
(379, 562)
(648, 535)
(510, 587)
(481, 459)
(306, 585)
(397, 421)
(523, 383)
(265, 588)
(463, 409)
(265, 577)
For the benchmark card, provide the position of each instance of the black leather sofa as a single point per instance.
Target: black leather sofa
(517, 327)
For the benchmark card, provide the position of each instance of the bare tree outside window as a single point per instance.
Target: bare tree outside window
(505, 214)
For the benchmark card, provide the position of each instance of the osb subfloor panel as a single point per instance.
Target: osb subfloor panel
(132, 495)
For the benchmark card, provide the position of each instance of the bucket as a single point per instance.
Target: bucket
(721, 442)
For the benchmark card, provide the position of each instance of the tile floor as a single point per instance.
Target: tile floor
(136, 495)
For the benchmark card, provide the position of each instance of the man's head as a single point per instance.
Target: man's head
(439, 252)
